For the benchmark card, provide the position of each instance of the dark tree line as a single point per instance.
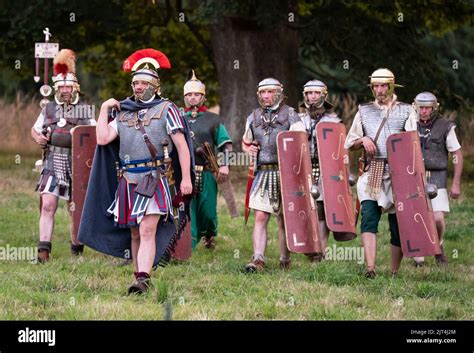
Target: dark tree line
(234, 44)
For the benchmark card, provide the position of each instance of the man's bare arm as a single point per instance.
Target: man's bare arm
(104, 132)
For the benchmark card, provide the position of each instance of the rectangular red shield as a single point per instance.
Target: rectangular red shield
(337, 194)
(298, 206)
(415, 218)
(82, 155)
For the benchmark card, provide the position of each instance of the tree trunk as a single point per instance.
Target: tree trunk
(245, 54)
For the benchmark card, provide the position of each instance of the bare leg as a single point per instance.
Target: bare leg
(76, 247)
(440, 224)
(441, 259)
(396, 258)
(323, 235)
(71, 226)
(49, 205)
(284, 252)
(259, 239)
(259, 236)
(135, 247)
(147, 248)
(369, 241)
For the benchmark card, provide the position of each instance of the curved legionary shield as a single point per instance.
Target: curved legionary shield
(298, 206)
(415, 218)
(82, 154)
(337, 194)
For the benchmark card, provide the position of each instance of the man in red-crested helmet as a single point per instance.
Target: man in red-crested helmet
(153, 166)
(52, 131)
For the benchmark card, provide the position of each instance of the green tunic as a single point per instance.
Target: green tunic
(206, 127)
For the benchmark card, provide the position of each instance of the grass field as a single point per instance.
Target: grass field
(212, 285)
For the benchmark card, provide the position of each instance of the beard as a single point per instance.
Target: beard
(382, 98)
(65, 97)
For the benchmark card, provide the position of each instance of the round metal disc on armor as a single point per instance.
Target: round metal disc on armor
(62, 122)
(43, 102)
(46, 90)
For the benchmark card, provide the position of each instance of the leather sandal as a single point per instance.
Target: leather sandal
(256, 265)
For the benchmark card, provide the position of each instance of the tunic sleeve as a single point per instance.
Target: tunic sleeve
(356, 131)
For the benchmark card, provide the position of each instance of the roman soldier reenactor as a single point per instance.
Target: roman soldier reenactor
(318, 110)
(438, 139)
(209, 136)
(145, 144)
(372, 125)
(52, 131)
(260, 141)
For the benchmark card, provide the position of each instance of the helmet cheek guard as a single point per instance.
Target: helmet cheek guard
(425, 99)
(315, 86)
(270, 84)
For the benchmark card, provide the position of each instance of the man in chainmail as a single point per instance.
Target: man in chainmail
(52, 131)
(154, 170)
(259, 140)
(372, 125)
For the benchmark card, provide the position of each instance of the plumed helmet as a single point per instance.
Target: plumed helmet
(64, 69)
(144, 65)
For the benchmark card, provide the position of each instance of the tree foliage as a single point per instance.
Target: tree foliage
(340, 42)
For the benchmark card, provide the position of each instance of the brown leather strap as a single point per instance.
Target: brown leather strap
(364, 157)
(151, 148)
(381, 126)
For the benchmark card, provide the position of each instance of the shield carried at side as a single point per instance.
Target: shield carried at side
(183, 249)
(337, 194)
(415, 217)
(82, 155)
(298, 206)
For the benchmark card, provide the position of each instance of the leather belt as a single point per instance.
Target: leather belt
(150, 164)
(268, 167)
(60, 150)
(200, 168)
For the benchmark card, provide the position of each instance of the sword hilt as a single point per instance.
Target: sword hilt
(165, 143)
(167, 161)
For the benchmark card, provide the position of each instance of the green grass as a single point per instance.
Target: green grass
(212, 285)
